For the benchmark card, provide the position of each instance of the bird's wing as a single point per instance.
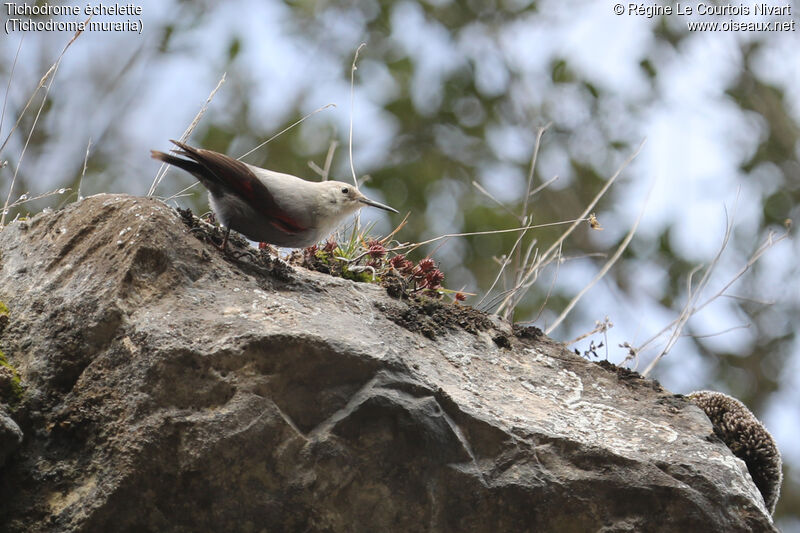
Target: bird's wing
(235, 177)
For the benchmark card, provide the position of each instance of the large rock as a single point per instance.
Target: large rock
(171, 388)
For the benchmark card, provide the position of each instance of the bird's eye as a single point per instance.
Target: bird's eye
(345, 190)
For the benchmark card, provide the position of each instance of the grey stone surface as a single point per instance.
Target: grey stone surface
(10, 436)
(171, 389)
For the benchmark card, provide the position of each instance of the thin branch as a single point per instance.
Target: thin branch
(24, 198)
(603, 271)
(531, 249)
(491, 197)
(525, 217)
(690, 310)
(749, 300)
(25, 147)
(325, 171)
(552, 284)
(691, 293)
(499, 296)
(162, 170)
(357, 221)
(284, 130)
(515, 255)
(53, 69)
(539, 134)
(10, 77)
(47, 74)
(181, 192)
(85, 163)
(542, 186)
(514, 297)
(489, 232)
(633, 353)
(352, 105)
(724, 331)
(603, 327)
(503, 265)
(396, 229)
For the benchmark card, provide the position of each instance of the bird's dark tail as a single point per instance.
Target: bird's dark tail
(223, 175)
(211, 168)
(192, 167)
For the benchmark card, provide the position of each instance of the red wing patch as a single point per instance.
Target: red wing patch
(287, 226)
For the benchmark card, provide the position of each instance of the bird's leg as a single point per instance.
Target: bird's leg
(232, 253)
(224, 245)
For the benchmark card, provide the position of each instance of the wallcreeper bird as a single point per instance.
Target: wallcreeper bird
(267, 206)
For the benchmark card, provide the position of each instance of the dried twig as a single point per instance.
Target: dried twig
(525, 217)
(352, 106)
(357, 223)
(325, 171)
(506, 308)
(558, 260)
(24, 198)
(51, 74)
(599, 326)
(603, 271)
(8, 87)
(691, 309)
(491, 197)
(542, 187)
(47, 74)
(503, 265)
(718, 333)
(287, 128)
(162, 170)
(85, 163)
(488, 232)
(515, 256)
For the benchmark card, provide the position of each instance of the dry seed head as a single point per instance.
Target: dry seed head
(747, 438)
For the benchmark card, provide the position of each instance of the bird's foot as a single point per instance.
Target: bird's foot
(238, 254)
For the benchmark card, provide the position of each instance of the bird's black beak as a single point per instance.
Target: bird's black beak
(373, 203)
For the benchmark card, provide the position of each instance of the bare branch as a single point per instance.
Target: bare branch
(539, 134)
(488, 232)
(690, 309)
(491, 197)
(542, 186)
(559, 260)
(352, 105)
(326, 170)
(724, 331)
(613, 259)
(599, 327)
(51, 70)
(505, 262)
(284, 130)
(162, 170)
(10, 77)
(85, 164)
(510, 302)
